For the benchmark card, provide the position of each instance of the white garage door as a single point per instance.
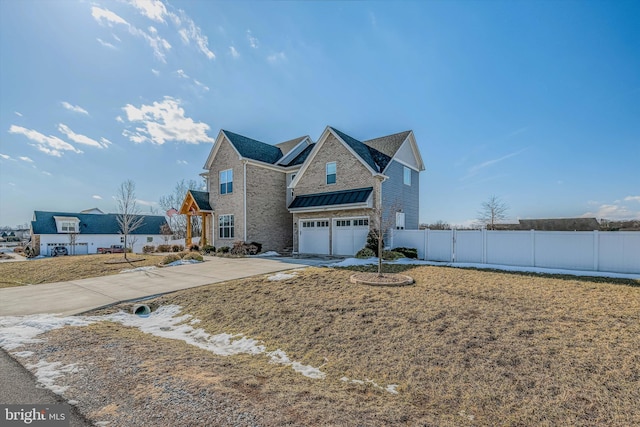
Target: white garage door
(313, 236)
(349, 235)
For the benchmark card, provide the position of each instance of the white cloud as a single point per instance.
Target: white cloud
(50, 145)
(106, 44)
(146, 203)
(234, 52)
(182, 162)
(614, 211)
(25, 159)
(201, 85)
(164, 121)
(276, 57)
(253, 41)
(95, 196)
(116, 38)
(119, 119)
(156, 72)
(632, 198)
(47, 173)
(473, 170)
(182, 74)
(74, 108)
(17, 114)
(80, 139)
(5, 156)
(105, 141)
(159, 45)
(191, 32)
(152, 9)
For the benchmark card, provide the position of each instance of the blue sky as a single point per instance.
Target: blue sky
(535, 102)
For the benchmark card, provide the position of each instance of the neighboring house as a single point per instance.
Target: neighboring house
(313, 198)
(83, 233)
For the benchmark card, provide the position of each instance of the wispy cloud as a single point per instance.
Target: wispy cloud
(95, 196)
(51, 145)
(152, 9)
(473, 170)
(517, 132)
(80, 139)
(164, 121)
(119, 119)
(146, 202)
(74, 108)
(47, 173)
(632, 198)
(190, 32)
(201, 85)
(17, 114)
(25, 159)
(159, 45)
(616, 210)
(106, 44)
(5, 156)
(156, 72)
(276, 57)
(182, 74)
(253, 41)
(182, 162)
(234, 52)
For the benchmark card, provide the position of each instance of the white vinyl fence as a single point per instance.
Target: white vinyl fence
(611, 251)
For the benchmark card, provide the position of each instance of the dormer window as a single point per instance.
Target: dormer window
(331, 173)
(67, 224)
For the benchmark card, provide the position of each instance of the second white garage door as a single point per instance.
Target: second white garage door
(349, 235)
(314, 236)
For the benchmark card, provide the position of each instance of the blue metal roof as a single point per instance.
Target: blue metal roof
(252, 149)
(45, 223)
(345, 197)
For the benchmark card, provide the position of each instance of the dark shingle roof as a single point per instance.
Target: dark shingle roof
(252, 149)
(202, 200)
(300, 158)
(289, 145)
(373, 157)
(332, 198)
(94, 224)
(389, 144)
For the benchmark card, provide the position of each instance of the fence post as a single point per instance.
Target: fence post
(453, 245)
(484, 245)
(533, 248)
(426, 244)
(391, 238)
(596, 250)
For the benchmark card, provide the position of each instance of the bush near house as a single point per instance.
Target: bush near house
(257, 245)
(194, 248)
(147, 249)
(223, 249)
(208, 249)
(407, 252)
(193, 255)
(171, 258)
(163, 248)
(372, 241)
(243, 248)
(177, 248)
(365, 253)
(391, 255)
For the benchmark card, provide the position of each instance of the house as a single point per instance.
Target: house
(311, 198)
(84, 233)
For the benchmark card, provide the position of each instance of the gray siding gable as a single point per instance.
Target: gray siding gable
(396, 195)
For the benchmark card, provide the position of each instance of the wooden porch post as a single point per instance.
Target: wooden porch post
(203, 238)
(188, 241)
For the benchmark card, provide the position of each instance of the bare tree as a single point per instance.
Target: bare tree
(439, 225)
(493, 211)
(166, 232)
(174, 201)
(73, 238)
(380, 224)
(129, 218)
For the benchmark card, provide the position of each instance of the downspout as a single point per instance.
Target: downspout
(244, 196)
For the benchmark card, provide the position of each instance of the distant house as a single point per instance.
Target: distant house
(308, 197)
(84, 233)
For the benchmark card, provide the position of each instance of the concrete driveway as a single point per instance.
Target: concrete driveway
(77, 296)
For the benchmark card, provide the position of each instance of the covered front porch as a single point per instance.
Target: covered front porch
(196, 203)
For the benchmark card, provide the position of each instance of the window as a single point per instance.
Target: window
(149, 239)
(308, 224)
(322, 224)
(343, 223)
(226, 181)
(407, 176)
(69, 227)
(225, 227)
(361, 222)
(331, 173)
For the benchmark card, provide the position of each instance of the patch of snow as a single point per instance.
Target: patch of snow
(18, 330)
(269, 253)
(391, 388)
(282, 276)
(195, 321)
(48, 372)
(183, 262)
(130, 270)
(23, 353)
(349, 262)
(72, 402)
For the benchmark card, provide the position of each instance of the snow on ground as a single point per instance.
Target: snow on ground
(269, 253)
(281, 276)
(391, 388)
(406, 261)
(183, 262)
(130, 270)
(166, 322)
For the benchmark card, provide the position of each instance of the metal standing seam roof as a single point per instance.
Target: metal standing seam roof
(202, 200)
(253, 149)
(45, 223)
(332, 198)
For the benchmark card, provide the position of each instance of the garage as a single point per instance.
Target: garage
(314, 236)
(349, 235)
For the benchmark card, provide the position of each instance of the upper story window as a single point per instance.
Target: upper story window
(407, 176)
(67, 224)
(68, 227)
(331, 173)
(226, 181)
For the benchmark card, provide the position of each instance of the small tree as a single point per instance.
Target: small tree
(379, 225)
(493, 211)
(129, 218)
(166, 232)
(73, 238)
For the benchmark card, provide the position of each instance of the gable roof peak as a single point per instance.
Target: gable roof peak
(252, 148)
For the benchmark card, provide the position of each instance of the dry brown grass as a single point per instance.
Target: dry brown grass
(466, 347)
(59, 269)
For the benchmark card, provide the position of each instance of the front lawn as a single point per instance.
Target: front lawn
(461, 348)
(64, 268)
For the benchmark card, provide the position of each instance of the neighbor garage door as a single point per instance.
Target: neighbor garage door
(349, 235)
(313, 236)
